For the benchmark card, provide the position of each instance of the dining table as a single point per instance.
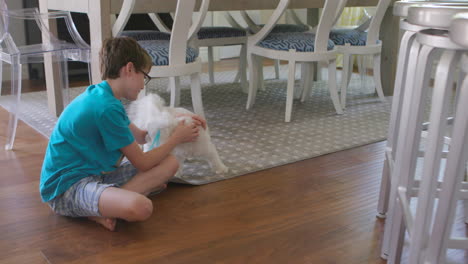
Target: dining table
(100, 25)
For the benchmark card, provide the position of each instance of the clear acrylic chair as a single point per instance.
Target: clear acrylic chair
(52, 47)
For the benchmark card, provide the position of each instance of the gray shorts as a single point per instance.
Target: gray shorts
(82, 198)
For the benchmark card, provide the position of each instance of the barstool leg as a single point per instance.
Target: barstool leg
(392, 138)
(433, 153)
(455, 168)
(408, 148)
(406, 97)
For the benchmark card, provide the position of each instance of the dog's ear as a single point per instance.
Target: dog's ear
(158, 101)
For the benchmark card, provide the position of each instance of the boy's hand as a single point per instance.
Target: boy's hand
(198, 120)
(185, 133)
(141, 137)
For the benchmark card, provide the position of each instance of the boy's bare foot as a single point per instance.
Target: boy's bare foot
(158, 189)
(108, 223)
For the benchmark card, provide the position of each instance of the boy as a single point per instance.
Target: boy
(81, 174)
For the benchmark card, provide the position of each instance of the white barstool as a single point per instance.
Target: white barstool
(425, 49)
(400, 9)
(440, 238)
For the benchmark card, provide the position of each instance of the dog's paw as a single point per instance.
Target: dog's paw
(221, 170)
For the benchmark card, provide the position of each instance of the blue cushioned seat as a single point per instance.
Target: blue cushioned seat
(352, 36)
(146, 35)
(220, 32)
(300, 41)
(159, 51)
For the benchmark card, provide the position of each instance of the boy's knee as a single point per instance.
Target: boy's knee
(139, 208)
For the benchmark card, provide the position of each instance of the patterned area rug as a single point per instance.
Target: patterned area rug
(253, 140)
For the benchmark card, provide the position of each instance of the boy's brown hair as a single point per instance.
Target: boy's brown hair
(117, 52)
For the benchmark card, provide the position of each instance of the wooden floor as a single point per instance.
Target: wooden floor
(320, 210)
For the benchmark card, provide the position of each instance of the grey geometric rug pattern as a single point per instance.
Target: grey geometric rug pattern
(257, 139)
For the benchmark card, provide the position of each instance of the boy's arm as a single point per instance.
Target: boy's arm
(144, 161)
(138, 133)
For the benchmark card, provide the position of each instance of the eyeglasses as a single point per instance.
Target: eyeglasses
(147, 77)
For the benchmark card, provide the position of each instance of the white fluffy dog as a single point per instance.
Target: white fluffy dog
(151, 114)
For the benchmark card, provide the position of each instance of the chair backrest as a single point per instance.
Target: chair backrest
(263, 32)
(183, 30)
(159, 23)
(295, 18)
(328, 18)
(376, 21)
(231, 20)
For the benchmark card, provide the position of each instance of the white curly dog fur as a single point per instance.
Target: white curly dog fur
(151, 114)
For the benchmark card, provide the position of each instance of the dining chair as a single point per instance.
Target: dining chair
(174, 57)
(297, 26)
(358, 41)
(294, 47)
(53, 47)
(218, 36)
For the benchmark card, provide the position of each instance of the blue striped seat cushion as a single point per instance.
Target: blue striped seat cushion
(159, 51)
(146, 35)
(352, 36)
(300, 41)
(220, 32)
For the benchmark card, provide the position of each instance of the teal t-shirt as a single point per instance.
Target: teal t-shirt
(85, 141)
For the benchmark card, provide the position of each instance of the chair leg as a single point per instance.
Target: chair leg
(211, 64)
(253, 79)
(64, 83)
(362, 68)
(174, 85)
(15, 108)
(317, 71)
(277, 69)
(308, 79)
(195, 88)
(332, 86)
(243, 69)
(377, 76)
(260, 79)
(345, 77)
(290, 89)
